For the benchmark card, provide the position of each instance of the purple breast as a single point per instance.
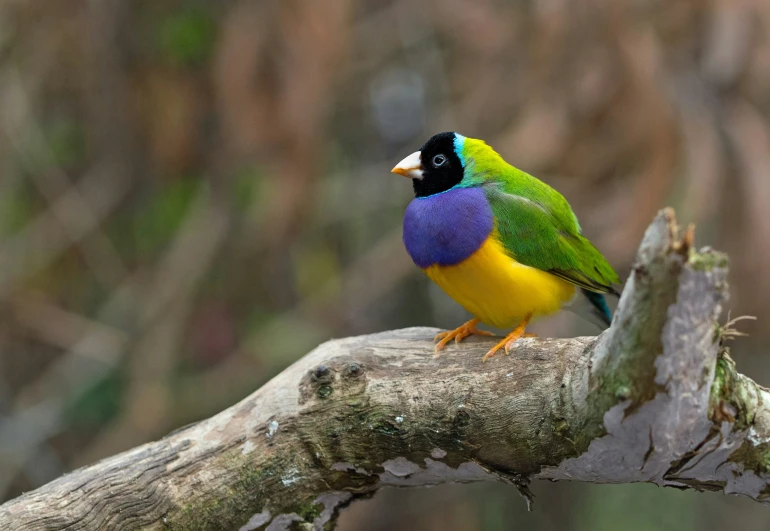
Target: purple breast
(447, 228)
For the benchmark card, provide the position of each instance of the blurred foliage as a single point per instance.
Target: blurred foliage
(161, 215)
(187, 37)
(97, 404)
(67, 144)
(16, 208)
(195, 194)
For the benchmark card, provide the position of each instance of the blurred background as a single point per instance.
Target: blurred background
(194, 194)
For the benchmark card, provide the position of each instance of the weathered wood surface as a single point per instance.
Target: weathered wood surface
(655, 398)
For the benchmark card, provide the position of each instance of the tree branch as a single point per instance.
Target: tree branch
(656, 398)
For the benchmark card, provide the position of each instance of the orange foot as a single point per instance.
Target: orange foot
(458, 334)
(510, 339)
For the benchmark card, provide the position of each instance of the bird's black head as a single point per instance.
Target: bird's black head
(436, 167)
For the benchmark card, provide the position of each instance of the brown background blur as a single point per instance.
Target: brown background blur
(194, 194)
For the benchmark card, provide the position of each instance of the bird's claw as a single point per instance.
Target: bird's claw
(458, 334)
(507, 343)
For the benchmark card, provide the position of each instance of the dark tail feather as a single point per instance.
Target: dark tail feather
(599, 308)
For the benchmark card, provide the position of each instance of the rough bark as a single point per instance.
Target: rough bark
(656, 398)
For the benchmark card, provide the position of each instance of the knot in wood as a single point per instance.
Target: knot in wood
(322, 375)
(352, 370)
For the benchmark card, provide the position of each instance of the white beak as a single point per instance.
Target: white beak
(410, 167)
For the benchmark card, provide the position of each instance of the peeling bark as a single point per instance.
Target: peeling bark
(656, 398)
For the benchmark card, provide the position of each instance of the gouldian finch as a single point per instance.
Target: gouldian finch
(501, 243)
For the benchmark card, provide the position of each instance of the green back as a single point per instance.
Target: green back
(535, 223)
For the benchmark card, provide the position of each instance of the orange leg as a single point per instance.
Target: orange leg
(510, 339)
(458, 334)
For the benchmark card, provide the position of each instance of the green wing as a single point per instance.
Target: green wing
(538, 228)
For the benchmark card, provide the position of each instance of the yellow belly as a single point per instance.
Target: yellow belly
(498, 290)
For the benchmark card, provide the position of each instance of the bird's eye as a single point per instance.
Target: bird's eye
(438, 160)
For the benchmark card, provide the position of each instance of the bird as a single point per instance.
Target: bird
(503, 244)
